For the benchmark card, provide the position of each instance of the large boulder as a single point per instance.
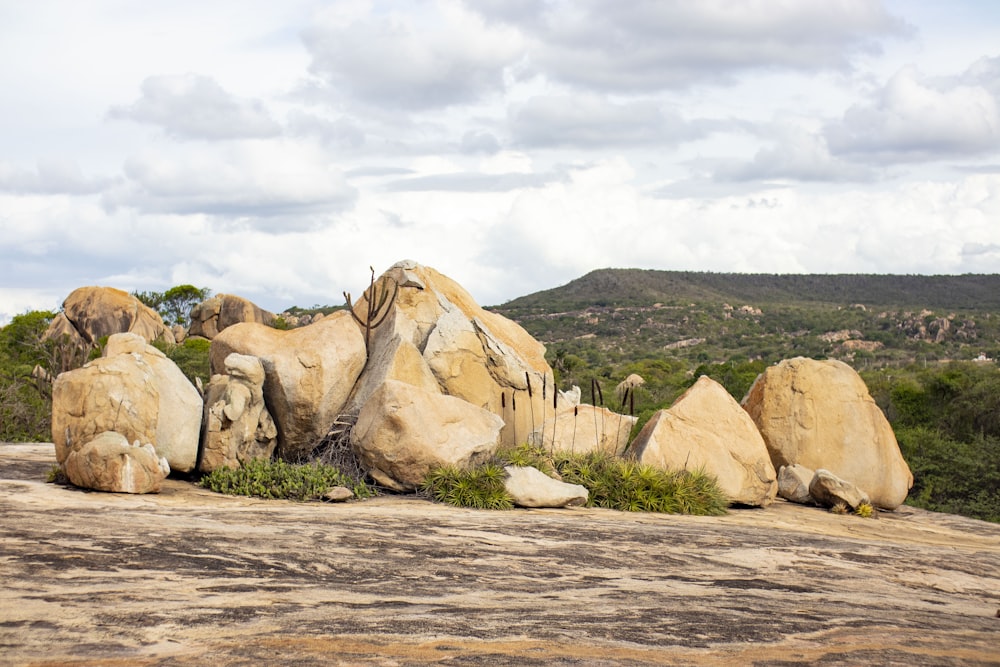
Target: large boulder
(213, 315)
(95, 312)
(309, 374)
(134, 390)
(706, 428)
(473, 354)
(819, 414)
(530, 487)
(110, 463)
(404, 432)
(395, 359)
(579, 429)
(237, 426)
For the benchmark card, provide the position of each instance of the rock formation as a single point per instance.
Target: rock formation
(309, 374)
(472, 354)
(237, 426)
(90, 313)
(133, 390)
(213, 315)
(583, 428)
(110, 463)
(819, 414)
(403, 432)
(706, 429)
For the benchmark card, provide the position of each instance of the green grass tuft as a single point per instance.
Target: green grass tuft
(627, 485)
(481, 487)
(613, 483)
(281, 480)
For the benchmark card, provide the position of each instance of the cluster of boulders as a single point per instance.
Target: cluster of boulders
(418, 376)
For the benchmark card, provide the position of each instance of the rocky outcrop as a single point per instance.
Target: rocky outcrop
(133, 390)
(583, 428)
(213, 315)
(706, 429)
(404, 432)
(309, 374)
(237, 426)
(530, 487)
(91, 313)
(829, 490)
(819, 414)
(473, 354)
(110, 463)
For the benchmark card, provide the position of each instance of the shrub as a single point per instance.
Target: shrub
(281, 480)
(627, 485)
(480, 487)
(613, 483)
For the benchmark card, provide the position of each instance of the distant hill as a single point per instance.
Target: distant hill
(638, 287)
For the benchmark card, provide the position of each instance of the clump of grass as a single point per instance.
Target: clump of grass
(865, 510)
(613, 483)
(57, 475)
(630, 486)
(839, 507)
(527, 456)
(281, 480)
(481, 487)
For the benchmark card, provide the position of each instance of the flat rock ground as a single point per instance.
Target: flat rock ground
(188, 577)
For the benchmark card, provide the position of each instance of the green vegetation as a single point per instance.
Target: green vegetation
(613, 483)
(281, 480)
(25, 395)
(481, 487)
(191, 356)
(947, 420)
(174, 305)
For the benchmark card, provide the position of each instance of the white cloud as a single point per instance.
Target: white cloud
(50, 176)
(513, 145)
(591, 121)
(645, 46)
(794, 154)
(249, 183)
(190, 106)
(438, 56)
(916, 118)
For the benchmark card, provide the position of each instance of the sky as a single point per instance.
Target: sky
(277, 150)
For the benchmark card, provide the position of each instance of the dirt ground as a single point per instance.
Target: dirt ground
(188, 577)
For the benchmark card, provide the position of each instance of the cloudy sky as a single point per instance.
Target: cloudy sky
(276, 150)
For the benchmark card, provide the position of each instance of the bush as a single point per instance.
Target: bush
(191, 356)
(280, 480)
(630, 486)
(481, 487)
(613, 483)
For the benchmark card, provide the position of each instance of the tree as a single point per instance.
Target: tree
(174, 305)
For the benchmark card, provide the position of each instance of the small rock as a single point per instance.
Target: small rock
(793, 483)
(530, 487)
(338, 494)
(829, 490)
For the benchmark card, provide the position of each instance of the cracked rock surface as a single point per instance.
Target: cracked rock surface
(189, 577)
